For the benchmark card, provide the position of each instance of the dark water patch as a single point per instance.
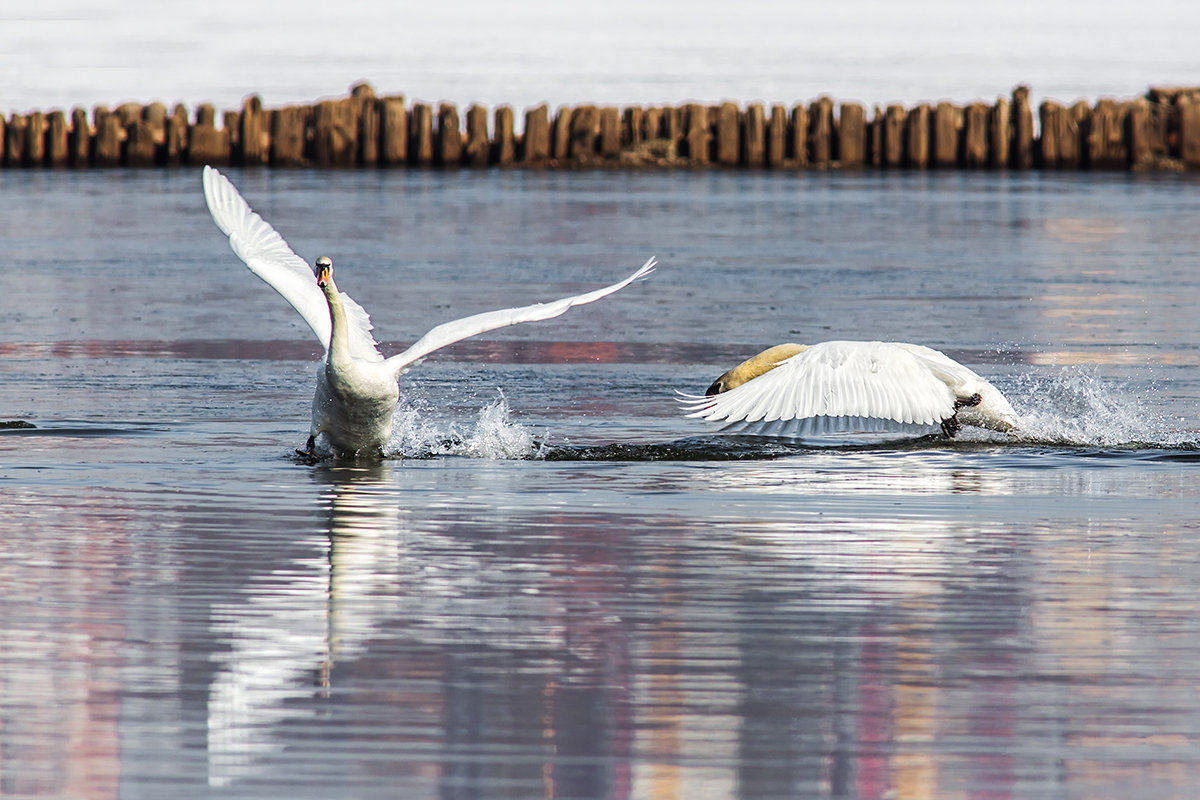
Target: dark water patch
(80, 429)
(16, 424)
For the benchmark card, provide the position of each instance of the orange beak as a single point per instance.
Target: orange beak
(322, 277)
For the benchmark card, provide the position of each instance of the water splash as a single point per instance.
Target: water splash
(1075, 407)
(493, 435)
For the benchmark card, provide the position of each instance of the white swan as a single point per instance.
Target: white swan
(798, 391)
(357, 387)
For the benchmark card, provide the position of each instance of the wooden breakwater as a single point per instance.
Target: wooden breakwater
(1158, 131)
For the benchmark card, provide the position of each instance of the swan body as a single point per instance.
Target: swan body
(798, 391)
(357, 388)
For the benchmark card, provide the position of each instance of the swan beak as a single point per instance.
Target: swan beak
(717, 387)
(323, 276)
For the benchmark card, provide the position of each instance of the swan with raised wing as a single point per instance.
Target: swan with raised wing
(799, 391)
(357, 388)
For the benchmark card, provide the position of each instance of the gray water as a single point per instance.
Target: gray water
(557, 586)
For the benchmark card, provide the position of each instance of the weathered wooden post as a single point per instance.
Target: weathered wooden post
(14, 140)
(420, 149)
(947, 128)
(57, 133)
(1022, 151)
(79, 141)
(798, 151)
(479, 147)
(504, 142)
(206, 143)
(893, 135)
(393, 131)
(560, 134)
(448, 144)
(1105, 136)
(820, 131)
(696, 138)
(110, 135)
(1137, 134)
(632, 133)
(535, 143)
(975, 136)
(917, 137)
(175, 129)
(35, 139)
(1189, 129)
(754, 136)
(289, 136)
(999, 134)
(370, 126)
(852, 135)
(777, 133)
(652, 124)
(141, 149)
(728, 145)
(609, 142)
(255, 149)
(585, 123)
(1049, 145)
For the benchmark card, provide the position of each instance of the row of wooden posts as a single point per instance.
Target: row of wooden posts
(1160, 130)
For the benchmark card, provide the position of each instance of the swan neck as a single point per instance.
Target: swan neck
(339, 337)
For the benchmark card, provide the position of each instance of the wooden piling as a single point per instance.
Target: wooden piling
(820, 131)
(504, 142)
(894, 119)
(560, 134)
(798, 152)
(370, 127)
(110, 135)
(585, 124)
(535, 143)
(35, 139)
(917, 137)
(335, 133)
(777, 133)
(14, 140)
(1106, 144)
(1022, 151)
(851, 135)
(79, 140)
(727, 135)
(975, 136)
(393, 132)
(696, 139)
(632, 132)
(289, 136)
(478, 150)
(946, 138)
(57, 132)
(753, 133)
(999, 134)
(652, 124)
(1189, 129)
(448, 140)
(420, 141)
(609, 140)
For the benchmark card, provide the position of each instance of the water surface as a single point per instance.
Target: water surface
(558, 586)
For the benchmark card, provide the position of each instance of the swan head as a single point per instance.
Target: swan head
(751, 368)
(324, 271)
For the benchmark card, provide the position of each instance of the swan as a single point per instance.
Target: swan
(797, 390)
(357, 388)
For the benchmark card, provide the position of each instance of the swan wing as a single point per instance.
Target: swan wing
(450, 332)
(863, 380)
(269, 257)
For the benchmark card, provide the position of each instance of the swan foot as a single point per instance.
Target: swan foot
(968, 402)
(951, 425)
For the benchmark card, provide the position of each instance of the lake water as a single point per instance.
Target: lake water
(558, 586)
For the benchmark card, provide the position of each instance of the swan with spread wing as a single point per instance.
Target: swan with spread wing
(799, 391)
(357, 388)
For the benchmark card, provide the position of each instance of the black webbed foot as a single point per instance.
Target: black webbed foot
(968, 402)
(951, 426)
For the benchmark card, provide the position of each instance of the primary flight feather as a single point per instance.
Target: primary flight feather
(357, 388)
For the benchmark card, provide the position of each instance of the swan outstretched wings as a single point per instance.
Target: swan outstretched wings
(842, 385)
(269, 257)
